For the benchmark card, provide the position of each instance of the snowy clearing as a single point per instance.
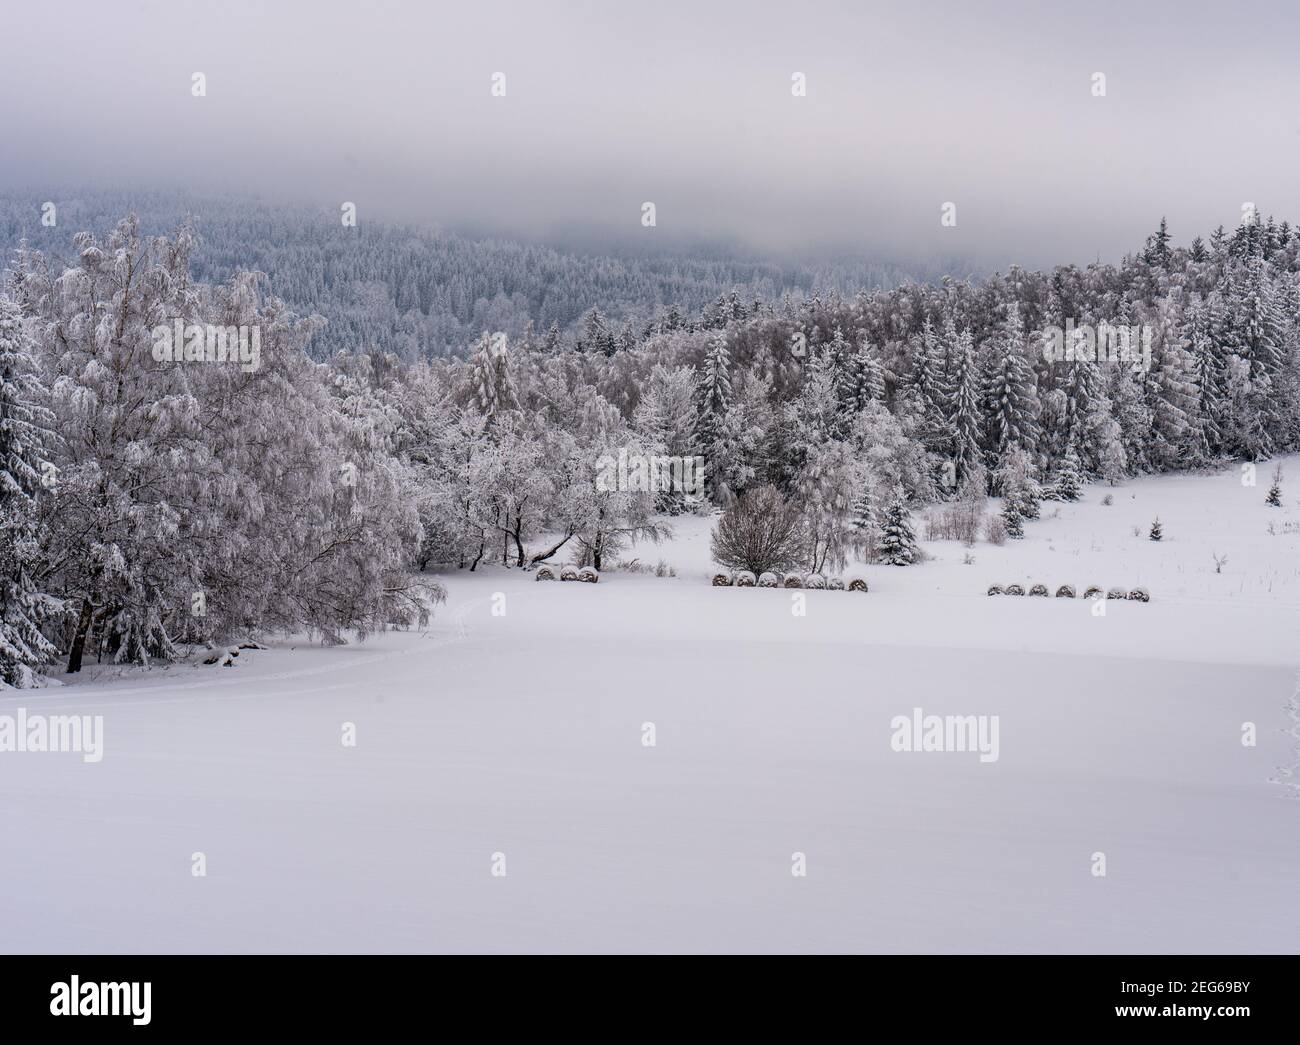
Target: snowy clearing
(522, 735)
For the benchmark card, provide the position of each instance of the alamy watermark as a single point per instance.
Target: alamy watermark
(921, 732)
(646, 473)
(208, 343)
(83, 734)
(1104, 343)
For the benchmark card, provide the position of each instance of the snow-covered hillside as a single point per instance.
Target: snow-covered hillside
(523, 732)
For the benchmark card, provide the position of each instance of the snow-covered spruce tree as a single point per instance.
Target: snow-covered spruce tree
(864, 527)
(867, 379)
(24, 441)
(1157, 531)
(1012, 517)
(1274, 498)
(929, 385)
(966, 418)
(712, 400)
(1069, 482)
(1010, 395)
(664, 420)
(897, 538)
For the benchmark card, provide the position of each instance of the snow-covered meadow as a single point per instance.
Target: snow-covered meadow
(511, 735)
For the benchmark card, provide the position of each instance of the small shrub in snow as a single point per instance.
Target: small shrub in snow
(722, 580)
(995, 530)
(759, 531)
(792, 580)
(768, 580)
(835, 584)
(1157, 531)
(569, 572)
(589, 574)
(1039, 590)
(1065, 591)
(1092, 592)
(661, 569)
(1117, 593)
(744, 579)
(996, 589)
(1015, 589)
(815, 580)
(1108, 500)
(857, 584)
(545, 573)
(1274, 498)
(1140, 595)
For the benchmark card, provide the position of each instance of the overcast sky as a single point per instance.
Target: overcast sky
(685, 104)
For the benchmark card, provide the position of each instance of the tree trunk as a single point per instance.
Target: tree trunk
(543, 556)
(79, 637)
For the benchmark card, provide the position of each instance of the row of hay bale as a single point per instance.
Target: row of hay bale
(815, 581)
(1066, 591)
(588, 574)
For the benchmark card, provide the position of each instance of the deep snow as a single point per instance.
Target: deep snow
(522, 734)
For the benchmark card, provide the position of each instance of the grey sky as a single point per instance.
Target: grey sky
(688, 105)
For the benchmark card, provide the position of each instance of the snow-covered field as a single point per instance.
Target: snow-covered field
(522, 734)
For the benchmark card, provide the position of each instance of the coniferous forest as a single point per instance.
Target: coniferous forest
(312, 491)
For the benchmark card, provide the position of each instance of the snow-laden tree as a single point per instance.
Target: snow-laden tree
(25, 459)
(1018, 481)
(966, 418)
(201, 498)
(1010, 391)
(831, 481)
(897, 538)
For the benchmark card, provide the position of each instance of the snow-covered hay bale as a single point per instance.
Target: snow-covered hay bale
(858, 584)
(1140, 595)
(1039, 590)
(722, 580)
(1093, 592)
(1117, 593)
(996, 589)
(745, 579)
(1015, 589)
(569, 573)
(589, 575)
(792, 580)
(815, 580)
(769, 580)
(834, 583)
(1065, 591)
(545, 573)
